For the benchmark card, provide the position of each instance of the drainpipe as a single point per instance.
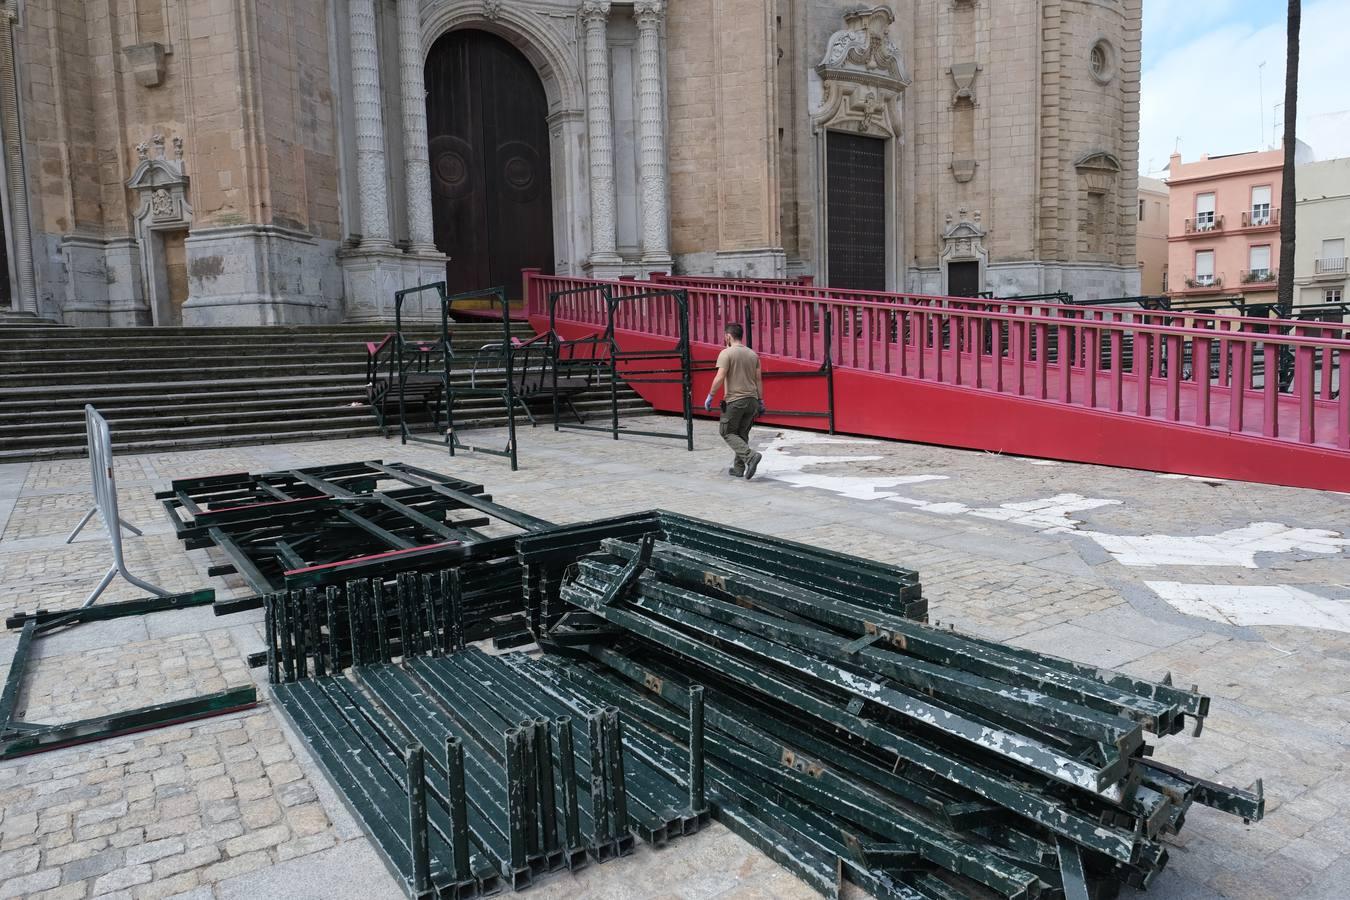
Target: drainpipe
(26, 299)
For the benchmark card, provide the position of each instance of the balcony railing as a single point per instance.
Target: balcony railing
(1204, 225)
(1333, 265)
(1260, 276)
(1254, 219)
(1201, 282)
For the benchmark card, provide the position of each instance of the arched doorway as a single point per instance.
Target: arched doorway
(491, 188)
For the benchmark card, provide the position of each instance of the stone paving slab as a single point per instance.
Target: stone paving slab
(1051, 555)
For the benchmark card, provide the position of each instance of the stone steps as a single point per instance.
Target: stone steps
(187, 388)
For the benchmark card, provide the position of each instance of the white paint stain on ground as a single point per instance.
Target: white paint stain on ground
(1235, 547)
(780, 465)
(1279, 604)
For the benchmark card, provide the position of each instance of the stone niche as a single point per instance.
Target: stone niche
(162, 224)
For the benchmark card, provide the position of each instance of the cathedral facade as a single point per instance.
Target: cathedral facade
(290, 161)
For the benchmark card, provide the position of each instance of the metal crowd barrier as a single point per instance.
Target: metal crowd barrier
(105, 503)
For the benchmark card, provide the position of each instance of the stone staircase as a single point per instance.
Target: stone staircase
(188, 388)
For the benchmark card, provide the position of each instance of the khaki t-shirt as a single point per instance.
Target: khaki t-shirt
(741, 365)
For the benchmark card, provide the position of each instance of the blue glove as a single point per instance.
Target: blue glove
(762, 409)
(707, 403)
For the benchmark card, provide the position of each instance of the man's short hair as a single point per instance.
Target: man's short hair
(735, 330)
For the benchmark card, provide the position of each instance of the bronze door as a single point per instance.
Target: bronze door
(963, 278)
(855, 185)
(491, 188)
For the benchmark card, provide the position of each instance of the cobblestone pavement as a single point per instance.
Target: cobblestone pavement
(1083, 561)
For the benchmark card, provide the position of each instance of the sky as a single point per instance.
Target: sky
(1202, 84)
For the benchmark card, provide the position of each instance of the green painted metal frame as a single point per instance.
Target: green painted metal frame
(451, 438)
(614, 355)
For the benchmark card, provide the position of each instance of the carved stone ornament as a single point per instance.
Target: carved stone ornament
(1097, 171)
(963, 169)
(492, 9)
(147, 62)
(594, 9)
(964, 238)
(649, 9)
(963, 74)
(862, 76)
(162, 183)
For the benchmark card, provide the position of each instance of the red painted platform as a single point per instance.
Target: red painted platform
(1106, 385)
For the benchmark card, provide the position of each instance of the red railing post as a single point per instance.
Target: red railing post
(1172, 403)
(1270, 424)
(1200, 351)
(1343, 425)
(1066, 354)
(1143, 370)
(1306, 390)
(533, 306)
(1237, 386)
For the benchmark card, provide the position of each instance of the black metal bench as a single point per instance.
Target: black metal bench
(531, 375)
(424, 378)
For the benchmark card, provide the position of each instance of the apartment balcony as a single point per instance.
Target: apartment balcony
(1203, 226)
(1331, 268)
(1260, 277)
(1202, 284)
(1253, 220)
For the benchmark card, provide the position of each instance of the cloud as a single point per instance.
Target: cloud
(1206, 91)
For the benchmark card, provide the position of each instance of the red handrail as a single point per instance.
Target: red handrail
(788, 288)
(1118, 365)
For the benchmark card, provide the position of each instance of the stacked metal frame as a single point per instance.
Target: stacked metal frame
(604, 351)
(793, 693)
(325, 525)
(917, 761)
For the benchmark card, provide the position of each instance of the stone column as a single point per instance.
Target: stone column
(372, 183)
(595, 16)
(652, 136)
(417, 169)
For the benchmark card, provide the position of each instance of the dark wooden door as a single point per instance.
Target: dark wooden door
(855, 186)
(963, 279)
(491, 188)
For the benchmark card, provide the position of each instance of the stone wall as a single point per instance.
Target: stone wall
(244, 84)
(723, 137)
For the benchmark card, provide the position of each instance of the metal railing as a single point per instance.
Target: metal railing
(1257, 219)
(1332, 265)
(1202, 282)
(1204, 225)
(1260, 276)
(1074, 358)
(99, 440)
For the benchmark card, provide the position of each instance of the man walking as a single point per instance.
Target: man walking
(738, 372)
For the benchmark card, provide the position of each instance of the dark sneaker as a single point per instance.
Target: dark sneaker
(736, 473)
(751, 464)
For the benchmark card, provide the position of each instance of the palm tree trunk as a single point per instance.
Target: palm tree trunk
(1288, 196)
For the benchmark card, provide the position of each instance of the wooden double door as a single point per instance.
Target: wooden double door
(492, 194)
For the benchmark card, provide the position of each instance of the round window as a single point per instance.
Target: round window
(1101, 62)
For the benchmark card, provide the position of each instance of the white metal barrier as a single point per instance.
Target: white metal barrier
(99, 439)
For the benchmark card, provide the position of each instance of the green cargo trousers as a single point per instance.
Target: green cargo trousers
(734, 426)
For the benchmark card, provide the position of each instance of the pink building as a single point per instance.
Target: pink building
(1223, 233)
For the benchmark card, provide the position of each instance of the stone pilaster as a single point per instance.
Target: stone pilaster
(417, 170)
(372, 184)
(652, 179)
(599, 132)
